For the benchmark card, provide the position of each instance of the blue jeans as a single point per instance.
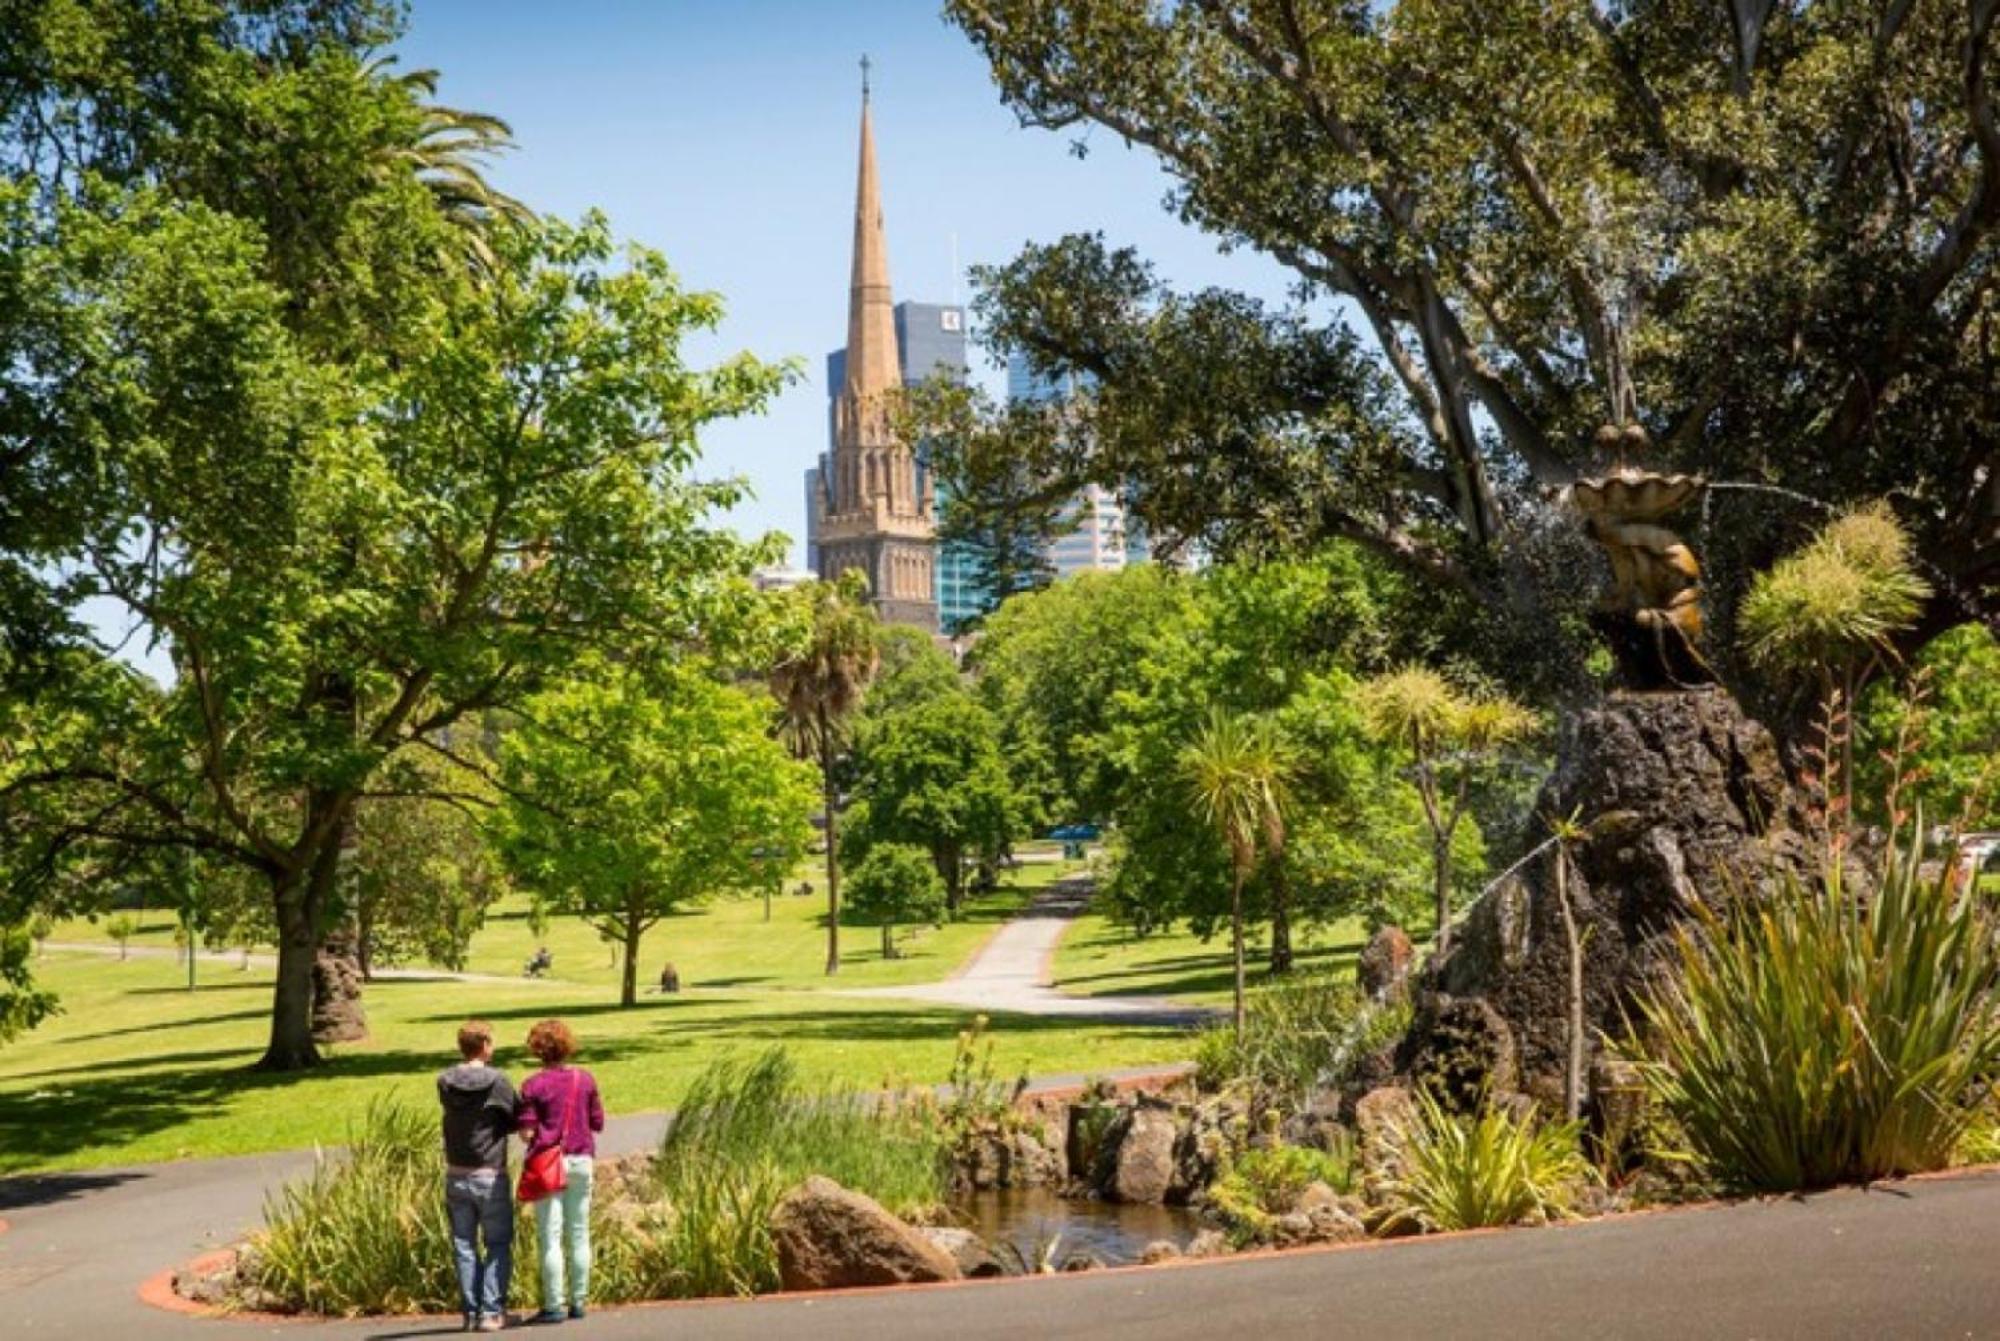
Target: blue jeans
(562, 1230)
(481, 1206)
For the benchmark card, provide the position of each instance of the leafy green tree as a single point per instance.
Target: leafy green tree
(345, 559)
(1237, 773)
(895, 884)
(819, 686)
(1748, 239)
(1050, 664)
(628, 797)
(931, 774)
(424, 874)
(1945, 709)
(22, 1004)
(1450, 736)
(911, 670)
(1277, 640)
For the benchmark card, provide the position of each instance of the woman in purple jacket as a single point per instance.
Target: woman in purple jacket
(560, 1106)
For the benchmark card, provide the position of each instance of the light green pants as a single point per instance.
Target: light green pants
(563, 1222)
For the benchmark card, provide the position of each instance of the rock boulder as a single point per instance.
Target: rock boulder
(1685, 804)
(1143, 1169)
(829, 1238)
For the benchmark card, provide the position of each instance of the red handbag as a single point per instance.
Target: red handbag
(542, 1172)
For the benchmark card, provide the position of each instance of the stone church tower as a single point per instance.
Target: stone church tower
(880, 516)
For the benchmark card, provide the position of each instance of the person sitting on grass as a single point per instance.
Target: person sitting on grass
(560, 1107)
(479, 1113)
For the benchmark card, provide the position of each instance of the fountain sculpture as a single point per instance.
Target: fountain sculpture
(1651, 617)
(1680, 801)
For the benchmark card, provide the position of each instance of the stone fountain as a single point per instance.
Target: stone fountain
(1682, 800)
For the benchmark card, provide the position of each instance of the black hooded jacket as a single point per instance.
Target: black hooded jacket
(479, 1108)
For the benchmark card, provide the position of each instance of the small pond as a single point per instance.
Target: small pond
(1039, 1224)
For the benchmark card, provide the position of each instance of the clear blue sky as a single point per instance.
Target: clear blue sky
(722, 132)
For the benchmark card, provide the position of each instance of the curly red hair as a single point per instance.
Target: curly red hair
(552, 1041)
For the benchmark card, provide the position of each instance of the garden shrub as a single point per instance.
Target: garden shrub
(1487, 1167)
(1263, 1184)
(1819, 1038)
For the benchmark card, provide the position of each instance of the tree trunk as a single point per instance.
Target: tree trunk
(832, 801)
(1441, 874)
(888, 940)
(291, 1047)
(1573, 1059)
(1281, 920)
(364, 942)
(950, 863)
(1236, 948)
(628, 992)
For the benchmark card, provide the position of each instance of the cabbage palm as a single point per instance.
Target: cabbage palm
(1831, 612)
(1237, 772)
(818, 689)
(1449, 733)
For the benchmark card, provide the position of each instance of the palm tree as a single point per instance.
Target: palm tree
(1450, 735)
(446, 148)
(1237, 773)
(818, 688)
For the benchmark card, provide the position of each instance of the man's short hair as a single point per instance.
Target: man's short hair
(474, 1037)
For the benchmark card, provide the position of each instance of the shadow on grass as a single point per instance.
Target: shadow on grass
(98, 1109)
(254, 1013)
(46, 1189)
(1213, 972)
(49, 1123)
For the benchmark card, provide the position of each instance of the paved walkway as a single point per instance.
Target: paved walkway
(1013, 971)
(1904, 1260)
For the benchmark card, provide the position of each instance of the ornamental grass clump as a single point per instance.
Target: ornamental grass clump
(1822, 1038)
(1473, 1170)
(747, 1134)
(365, 1232)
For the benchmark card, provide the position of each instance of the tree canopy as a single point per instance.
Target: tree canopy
(1754, 240)
(631, 796)
(359, 481)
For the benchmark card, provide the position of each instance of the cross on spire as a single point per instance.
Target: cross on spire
(865, 65)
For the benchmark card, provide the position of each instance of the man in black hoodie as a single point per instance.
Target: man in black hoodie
(479, 1109)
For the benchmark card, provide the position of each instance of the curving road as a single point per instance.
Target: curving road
(1906, 1260)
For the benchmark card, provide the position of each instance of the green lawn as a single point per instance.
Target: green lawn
(138, 1069)
(725, 944)
(1100, 958)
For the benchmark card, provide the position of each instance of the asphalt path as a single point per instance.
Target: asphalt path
(1913, 1259)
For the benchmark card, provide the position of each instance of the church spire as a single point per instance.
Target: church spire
(871, 319)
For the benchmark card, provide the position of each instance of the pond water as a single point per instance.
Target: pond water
(1041, 1225)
